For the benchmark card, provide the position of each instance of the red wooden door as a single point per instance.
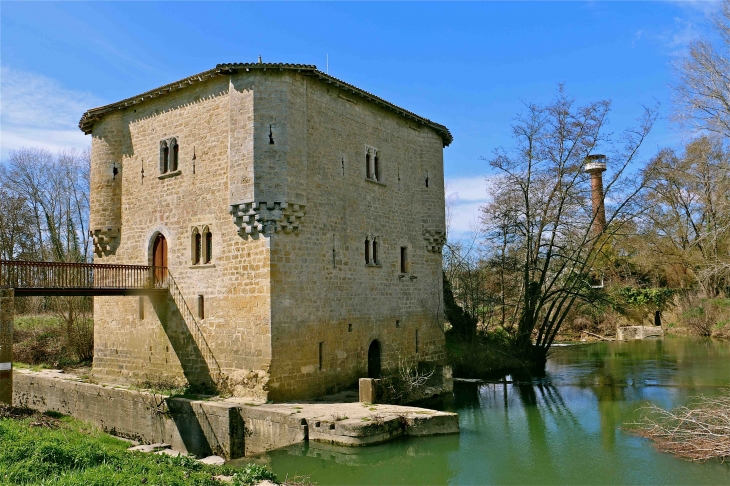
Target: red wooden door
(159, 259)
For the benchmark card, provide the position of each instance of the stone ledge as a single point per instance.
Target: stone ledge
(167, 175)
(226, 428)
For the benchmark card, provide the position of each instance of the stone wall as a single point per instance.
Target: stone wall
(198, 427)
(273, 163)
(322, 289)
(152, 343)
(7, 309)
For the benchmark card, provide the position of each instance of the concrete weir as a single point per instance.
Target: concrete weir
(226, 428)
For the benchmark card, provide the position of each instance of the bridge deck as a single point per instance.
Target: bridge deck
(79, 279)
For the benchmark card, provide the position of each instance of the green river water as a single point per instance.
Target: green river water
(565, 428)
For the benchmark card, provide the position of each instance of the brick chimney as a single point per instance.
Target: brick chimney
(595, 165)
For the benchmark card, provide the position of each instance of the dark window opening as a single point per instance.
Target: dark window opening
(367, 251)
(321, 352)
(367, 166)
(376, 168)
(201, 307)
(349, 328)
(140, 303)
(197, 247)
(175, 151)
(403, 259)
(208, 253)
(375, 252)
(164, 157)
(397, 323)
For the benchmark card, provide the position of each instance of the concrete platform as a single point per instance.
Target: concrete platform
(630, 333)
(228, 428)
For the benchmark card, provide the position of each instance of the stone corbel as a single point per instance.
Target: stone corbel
(105, 240)
(254, 218)
(435, 239)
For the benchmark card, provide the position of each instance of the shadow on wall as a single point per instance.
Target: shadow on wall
(192, 425)
(193, 363)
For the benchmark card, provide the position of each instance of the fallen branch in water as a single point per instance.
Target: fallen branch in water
(598, 336)
(698, 431)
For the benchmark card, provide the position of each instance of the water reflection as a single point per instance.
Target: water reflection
(563, 428)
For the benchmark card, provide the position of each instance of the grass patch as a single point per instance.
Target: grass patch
(56, 450)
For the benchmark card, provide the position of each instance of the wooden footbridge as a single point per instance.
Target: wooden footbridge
(78, 279)
(25, 278)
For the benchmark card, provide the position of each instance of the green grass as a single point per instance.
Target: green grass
(56, 450)
(31, 321)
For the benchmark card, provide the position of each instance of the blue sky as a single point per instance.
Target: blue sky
(468, 66)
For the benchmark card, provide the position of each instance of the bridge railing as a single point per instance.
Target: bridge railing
(57, 275)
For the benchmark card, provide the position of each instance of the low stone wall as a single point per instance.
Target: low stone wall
(224, 428)
(629, 333)
(198, 427)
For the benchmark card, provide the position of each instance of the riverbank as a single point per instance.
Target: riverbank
(566, 428)
(230, 428)
(52, 449)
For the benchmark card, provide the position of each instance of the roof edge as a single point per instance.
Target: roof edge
(90, 117)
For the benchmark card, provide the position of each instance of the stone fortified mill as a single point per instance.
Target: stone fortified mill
(301, 220)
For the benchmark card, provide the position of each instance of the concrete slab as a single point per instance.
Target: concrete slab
(213, 460)
(227, 428)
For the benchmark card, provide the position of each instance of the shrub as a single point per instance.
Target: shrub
(45, 340)
(253, 474)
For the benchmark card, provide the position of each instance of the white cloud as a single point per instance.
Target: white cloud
(36, 111)
(465, 195)
(707, 8)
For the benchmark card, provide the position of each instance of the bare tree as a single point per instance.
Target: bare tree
(44, 214)
(54, 190)
(702, 90)
(540, 216)
(688, 213)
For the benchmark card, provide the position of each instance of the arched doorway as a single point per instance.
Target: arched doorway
(374, 359)
(159, 259)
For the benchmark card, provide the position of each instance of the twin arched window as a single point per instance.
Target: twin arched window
(372, 164)
(169, 150)
(372, 250)
(201, 245)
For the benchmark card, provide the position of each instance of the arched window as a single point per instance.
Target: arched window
(367, 251)
(372, 164)
(208, 245)
(197, 243)
(173, 156)
(376, 260)
(164, 157)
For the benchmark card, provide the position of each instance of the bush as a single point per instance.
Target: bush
(253, 474)
(706, 317)
(486, 356)
(699, 431)
(404, 384)
(45, 340)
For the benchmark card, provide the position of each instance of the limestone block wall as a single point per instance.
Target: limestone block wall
(137, 339)
(273, 164)
(106, 183)
(324, 295)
